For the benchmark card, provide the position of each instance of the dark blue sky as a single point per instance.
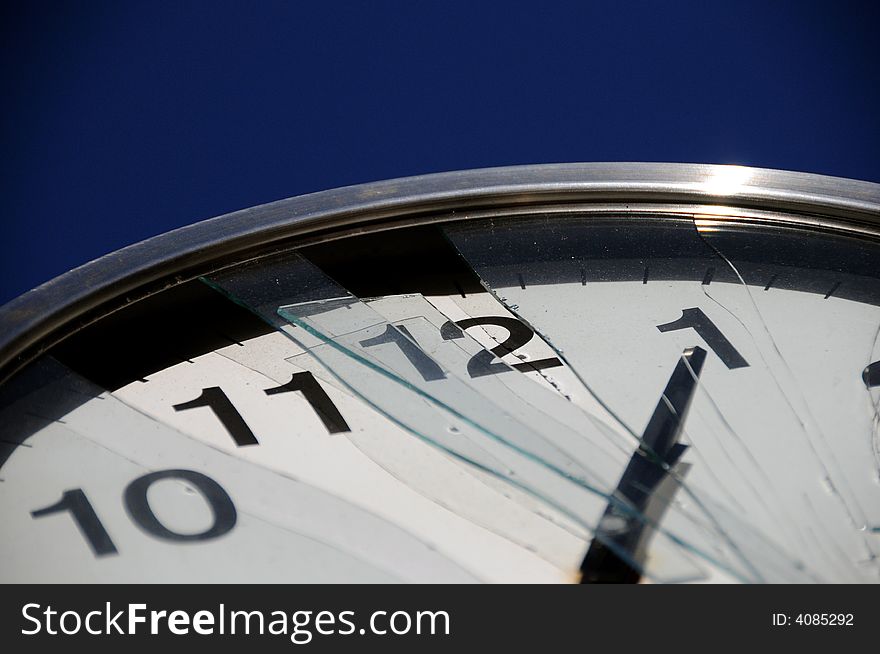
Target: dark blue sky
(122, 120)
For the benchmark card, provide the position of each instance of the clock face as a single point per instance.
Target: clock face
(545, 395)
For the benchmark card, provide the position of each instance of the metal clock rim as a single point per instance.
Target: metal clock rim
(28, 321)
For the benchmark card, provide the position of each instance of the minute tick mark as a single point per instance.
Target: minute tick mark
(707, 278)
(831, 290)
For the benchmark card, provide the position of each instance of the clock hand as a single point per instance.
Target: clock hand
(622, 529)
(871, 375)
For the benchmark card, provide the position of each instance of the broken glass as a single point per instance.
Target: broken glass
(391, 352)
(786, 316)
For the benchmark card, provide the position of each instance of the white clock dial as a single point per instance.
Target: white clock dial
(520, 382)
(781, 429)
(117, 524)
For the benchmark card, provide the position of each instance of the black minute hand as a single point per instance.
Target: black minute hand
(623, 529)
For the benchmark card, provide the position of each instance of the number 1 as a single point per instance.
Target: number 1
(427, 367)
(698, 321)
(216, 400)
(86, 519)
(306, 383)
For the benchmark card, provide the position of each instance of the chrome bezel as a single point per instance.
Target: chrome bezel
(36, 320)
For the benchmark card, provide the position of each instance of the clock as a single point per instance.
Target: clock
(662, 373)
